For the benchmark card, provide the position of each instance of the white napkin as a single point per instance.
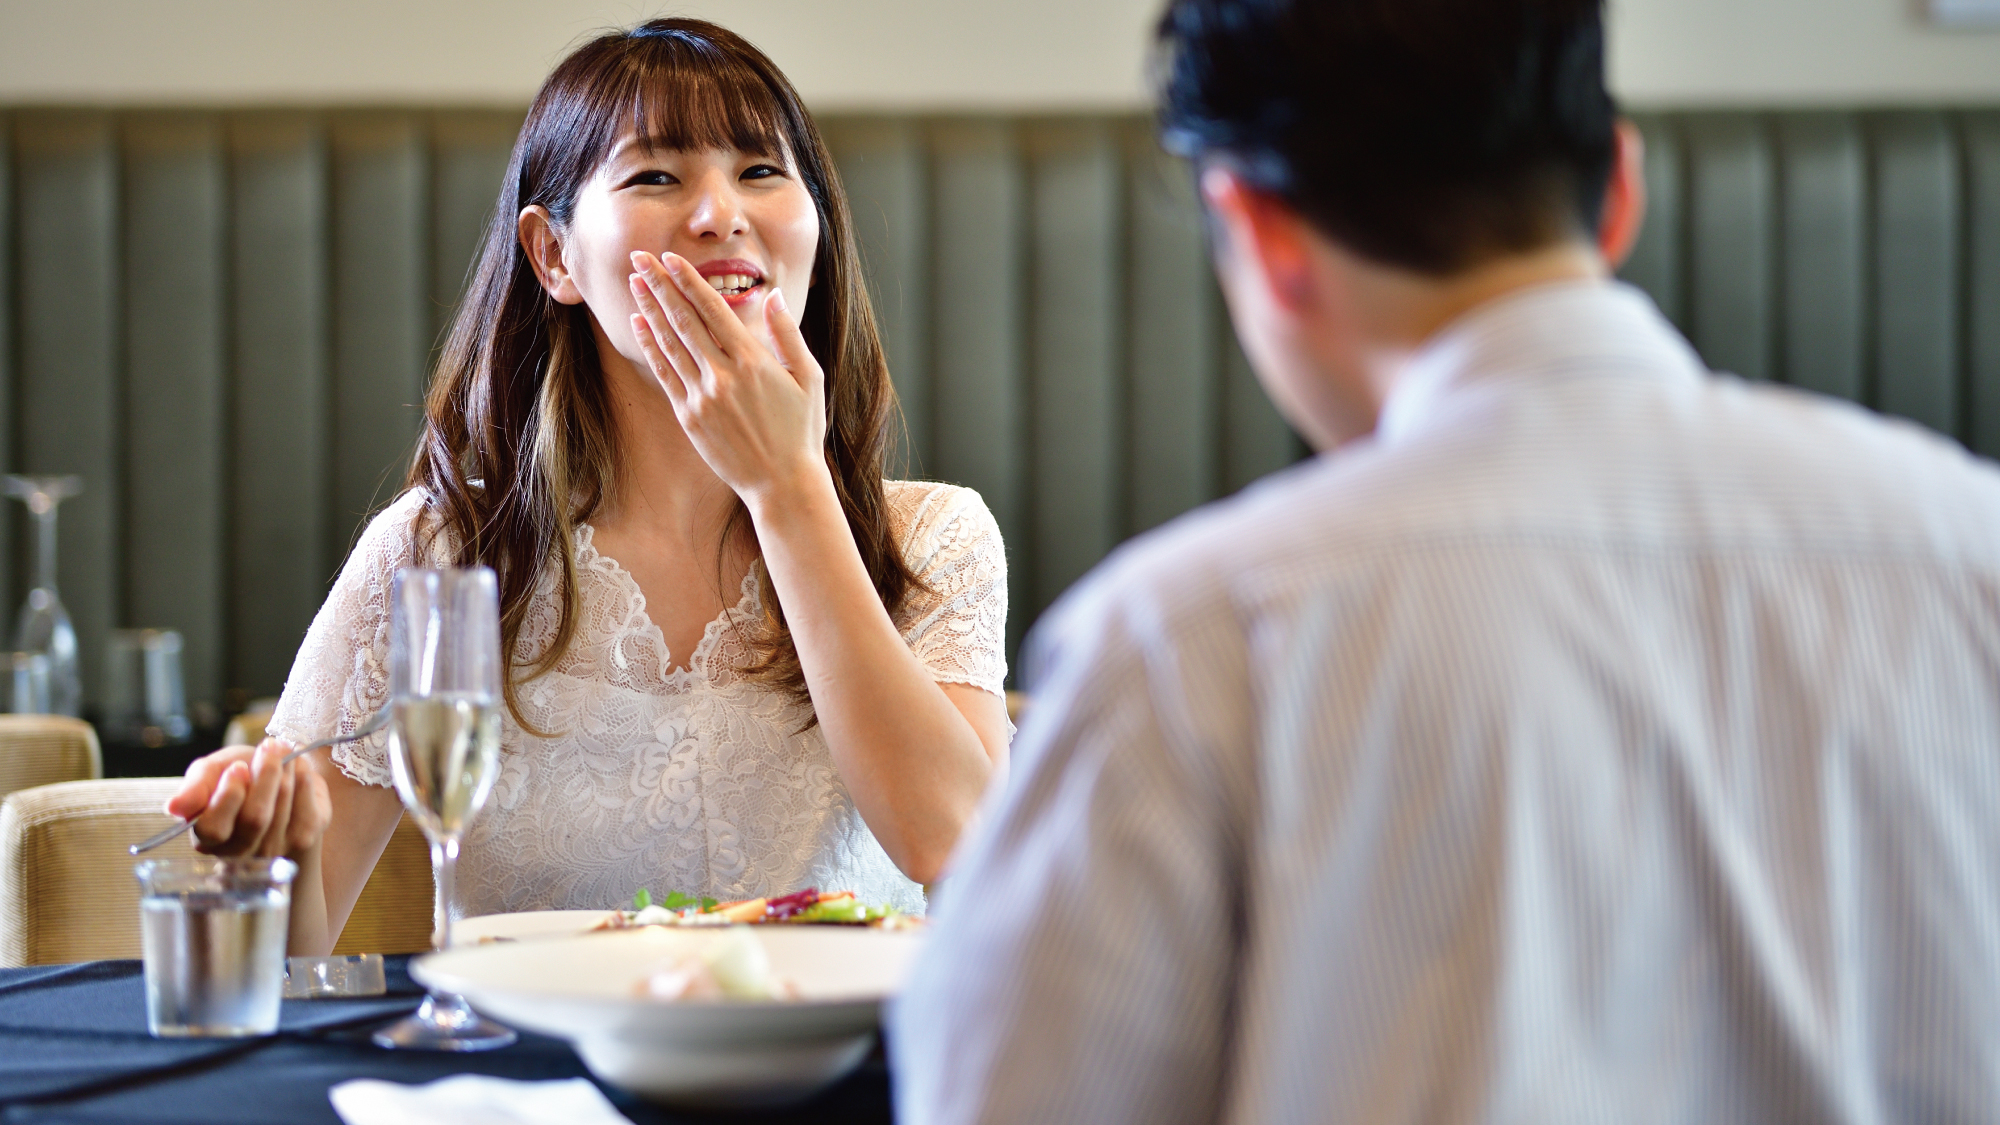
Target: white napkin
(473, 1099)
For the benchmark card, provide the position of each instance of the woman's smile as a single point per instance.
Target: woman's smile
(735, 278)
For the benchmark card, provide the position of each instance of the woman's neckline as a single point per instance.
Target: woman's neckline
(698, 661)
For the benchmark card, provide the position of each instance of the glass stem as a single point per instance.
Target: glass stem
(45, 548)
(444, 865)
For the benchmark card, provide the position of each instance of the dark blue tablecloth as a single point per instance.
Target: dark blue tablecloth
(74, 1048)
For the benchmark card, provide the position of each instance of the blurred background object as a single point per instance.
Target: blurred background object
(45, 749)
(231, 234)
(42, 629)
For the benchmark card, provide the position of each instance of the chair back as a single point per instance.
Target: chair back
(397, 909)
(67, 892)
(44, 749)
(247, 729)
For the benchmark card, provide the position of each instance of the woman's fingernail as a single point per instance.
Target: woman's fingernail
(639, 260)
(777, 299)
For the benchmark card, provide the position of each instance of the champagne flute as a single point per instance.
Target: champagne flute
(444, 750)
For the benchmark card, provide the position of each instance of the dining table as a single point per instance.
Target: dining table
(74, 1049)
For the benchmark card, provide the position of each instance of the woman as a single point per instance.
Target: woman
(743, 662)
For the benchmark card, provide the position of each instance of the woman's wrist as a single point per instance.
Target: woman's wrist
(798, 490)
(307, 936)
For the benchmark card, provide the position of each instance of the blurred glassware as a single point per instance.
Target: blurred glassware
(28, 688)
(44, 624)
(146, 699)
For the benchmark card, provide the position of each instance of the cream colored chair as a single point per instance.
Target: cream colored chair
(44, 749)
(67, 891)
(247, 729)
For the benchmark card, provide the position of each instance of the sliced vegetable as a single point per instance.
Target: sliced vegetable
(749, 910)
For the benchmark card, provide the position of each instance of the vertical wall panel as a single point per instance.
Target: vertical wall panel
(68, 277)
(1916, 269)
(7, 384)
(175, 492)
(469, 154)
(382, 324)
(1824, 173)
(883, 167)
(1077, 451)
(979, 413)
(1173, 384)
(230, 347)
(1656, 264)
(1982, 156)
(1730, 253)
(278, 419)
(1255, 438)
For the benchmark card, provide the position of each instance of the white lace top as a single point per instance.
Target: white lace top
(695, 780)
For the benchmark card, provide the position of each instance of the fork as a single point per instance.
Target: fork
(363, 731)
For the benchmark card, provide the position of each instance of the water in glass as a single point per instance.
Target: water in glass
(212, 933)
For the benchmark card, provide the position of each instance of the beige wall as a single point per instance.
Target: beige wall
(899, 54)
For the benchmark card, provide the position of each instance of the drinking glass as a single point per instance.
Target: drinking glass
(44, 625)
(28, 692)
(444, 751)
(146, 698)
(213, 935)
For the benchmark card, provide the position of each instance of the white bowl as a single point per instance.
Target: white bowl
(734, 1053)
(528, 925)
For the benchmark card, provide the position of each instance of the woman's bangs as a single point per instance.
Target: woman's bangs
(693, 100)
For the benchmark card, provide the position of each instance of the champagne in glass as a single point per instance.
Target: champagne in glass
(447, 749)
(444, 750)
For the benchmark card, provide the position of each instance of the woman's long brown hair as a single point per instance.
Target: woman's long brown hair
(519, 446)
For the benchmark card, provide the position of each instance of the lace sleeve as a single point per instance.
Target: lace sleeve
(958, 625)
(340, 677)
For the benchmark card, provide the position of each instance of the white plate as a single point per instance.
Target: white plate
(704, 1053)
(528, 925)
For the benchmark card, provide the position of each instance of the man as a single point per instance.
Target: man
(1581, 737)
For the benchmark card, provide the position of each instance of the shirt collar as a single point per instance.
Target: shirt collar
(1573, 327)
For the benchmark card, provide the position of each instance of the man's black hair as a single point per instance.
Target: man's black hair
(1427, 134)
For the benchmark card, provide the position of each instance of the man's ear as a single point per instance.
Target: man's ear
(1268, 236)
(537, 233)
(1624, 198)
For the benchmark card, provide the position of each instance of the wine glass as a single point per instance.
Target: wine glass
(444, 750)
(43, 626)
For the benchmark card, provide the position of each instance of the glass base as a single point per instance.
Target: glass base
(444, 1023)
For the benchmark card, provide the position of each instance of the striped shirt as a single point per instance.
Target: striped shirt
(1600, 740)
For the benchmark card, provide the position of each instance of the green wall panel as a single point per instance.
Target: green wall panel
(67, 256)
(884, 168)
(225, 321)
(1076, 210)
(1730, 218)
(977, 353)
(1824, 175)
(279, 421)
(1982, 303)
(381, 317)
(1916, 269)
(1173, 351)
(1657, 263)
(175, 408)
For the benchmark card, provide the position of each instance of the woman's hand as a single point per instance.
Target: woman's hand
(244, 803)
(755, 412)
